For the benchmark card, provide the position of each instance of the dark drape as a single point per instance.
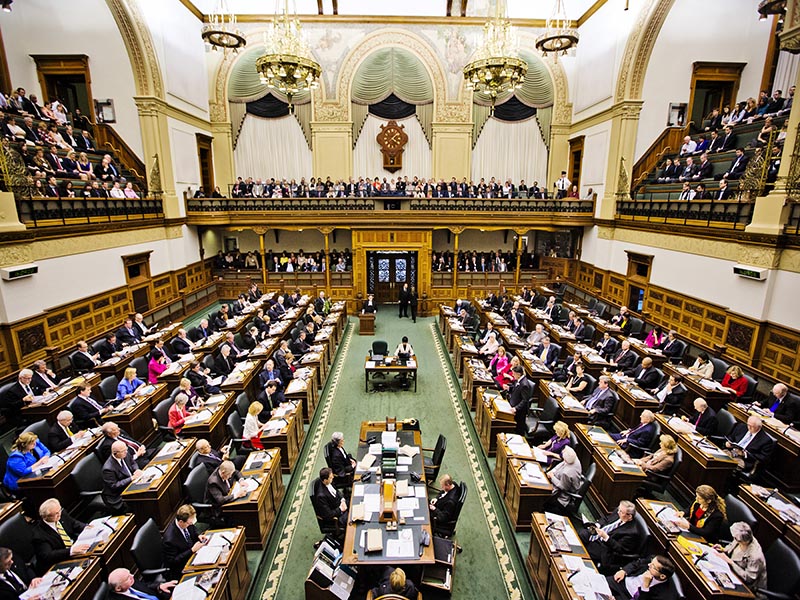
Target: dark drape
(392, 108)
(513, 110)
(268, 107)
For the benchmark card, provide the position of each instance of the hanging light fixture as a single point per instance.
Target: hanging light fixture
(496, 68)
(559, 36)
(221, 31)
(287, 64)
(771, 7)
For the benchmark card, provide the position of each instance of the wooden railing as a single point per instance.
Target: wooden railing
(57, 212)
(106, 137)
(669, 142)
(658, 208)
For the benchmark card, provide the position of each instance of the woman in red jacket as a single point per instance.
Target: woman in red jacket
(178, 413)
(735, 381)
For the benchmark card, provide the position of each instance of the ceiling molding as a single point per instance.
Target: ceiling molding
(394, 20)
(590, 11)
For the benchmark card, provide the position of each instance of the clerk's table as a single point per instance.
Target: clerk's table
(389, 365)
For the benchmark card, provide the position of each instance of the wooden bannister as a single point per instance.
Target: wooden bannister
(668, 142)
(106, 137)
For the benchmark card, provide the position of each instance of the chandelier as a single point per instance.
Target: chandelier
(559, 35)
(221, 31)
(287, 64)
(496, 69)
(771, 7)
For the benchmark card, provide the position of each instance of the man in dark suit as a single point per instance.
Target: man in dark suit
(645, 579)
(259, 321)
(236, 352)
(240, 306)
(670, 394)
(728, 140)
(269, 373)
(322, 304)
(110, 347)
(112, 433)
(30, 131)
(548, 353)
(250, 338)
(201, 332)
(671, 347)
(83, 360)
(645, 376)
(704, 418)
(625, 358)
(705, 169)
(300, 346)
(224, 363)
(86, 409)
(222, 486)
(614, 535)
(15, 577)
(443, 507)
(637, 437)
(579, 329)
(198, 375)
(516, 319)
(369, 305)
(519, 397)
(43, 378)
(119, 471)
(608, 346)
(55, 163)
(601, 403)
(782, 405)
(329, 503)
(54, 536)
(738, 166)
(124, 586)
(19, 394)
(61, 434)
(85, 143)
(212, 459)
(221, 318)
(127, 335)
(341, 462)
(181, 540)
(752, 444)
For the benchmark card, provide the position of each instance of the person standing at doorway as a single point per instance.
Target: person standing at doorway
(405, 294)
(413, 299)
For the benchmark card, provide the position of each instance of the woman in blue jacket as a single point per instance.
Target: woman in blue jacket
(27, 455)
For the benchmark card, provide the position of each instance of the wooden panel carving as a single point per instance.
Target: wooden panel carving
(779, 354)
(32, 338)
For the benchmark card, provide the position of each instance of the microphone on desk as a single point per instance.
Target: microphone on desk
(662, 509)
(791, 426)
(546, 529)
(699, 558)
(158, 468)
(64, 577)
(197, 584)
(105, 523)
(227, 540)
(771, 494)
(572, 574)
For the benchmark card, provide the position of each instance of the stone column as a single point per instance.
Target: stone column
(262, 244)
(326, 231)
(558, 155)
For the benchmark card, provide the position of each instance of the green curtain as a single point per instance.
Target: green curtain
(359, 112)
(392, 70)
(425, 118)
(480, 114)
(244, 84)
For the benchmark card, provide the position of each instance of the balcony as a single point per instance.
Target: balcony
(667, 209)
(97, 213)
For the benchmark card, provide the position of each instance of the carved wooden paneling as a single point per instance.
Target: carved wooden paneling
(616, 289)
(780, 354)
(741, 337)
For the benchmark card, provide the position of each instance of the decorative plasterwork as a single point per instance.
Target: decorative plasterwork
(562, 107)
(139, 44)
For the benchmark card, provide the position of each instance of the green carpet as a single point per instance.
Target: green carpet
(489, 566)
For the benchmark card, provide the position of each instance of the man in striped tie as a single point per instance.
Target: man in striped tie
(54, 536)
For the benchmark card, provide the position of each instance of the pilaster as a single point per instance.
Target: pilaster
(332, 149)
(9, 220)
(452, 150)
(222, 149)
(559, 154)
(621, 148)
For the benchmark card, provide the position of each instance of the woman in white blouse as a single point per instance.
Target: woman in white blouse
(253, 427)
(404, 348)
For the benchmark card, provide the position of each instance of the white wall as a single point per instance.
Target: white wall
(74, 27)
(185, 162)
(738, 36)
(595, 158)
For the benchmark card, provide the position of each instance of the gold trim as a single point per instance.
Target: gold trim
(590, 11)
(395, 20)
(193, 9)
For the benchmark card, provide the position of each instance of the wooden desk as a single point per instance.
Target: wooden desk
(161, 497)
(264, 349)
(318, 362)
(644, 351)
(210, 344)
(632, 401)
(366, 324)
(534, 367)
(505, 451)
(511, 339)
(165, 333)
(489, 421)
(393, 366)
(654, 513)
(209, 423)
(570, 410)
(115, 552)
(218, 590)
(232, 558)
(453, 328)
(178, 369)
(304, 391)
(256, 510)
(594, 364)
(716, 399)
(136, 415)
(772, 523)
(561, 587)
(695, 585)
(783, 464)
(525, 495)
(445, 314)
(280, 329)
(543, 549)
(463, 349)
(613, 481)
(703, 462)
(559, 335)
(72, 585)
(116, 365)
(243, 378)
(476, 377)
(601, 326)
(53, 403)
(288, 438)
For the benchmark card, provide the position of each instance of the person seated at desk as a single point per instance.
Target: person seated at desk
(554, 447)
(270, 373)
(182, 344)
(18, 395)
(622, 320)
(159, 363)
(491, 345)
(706, 517)
(224, 363)
(251, 338)
(615, 534)
(655, 338)
(753, 445)
(704, 418)
(601, 403)
(113, 433)
(578, 382)
(221, 318)
(61, 435)
(548, 353)
(199, 376)
(299, 346)
(404, 349)
(671, 347)
(342, 462)
(201, 332)
(181, 540)
(194, 401)
(640, 436)
(499, 365)
(83, 360)
(178, 413)
(27, 455)
(44, 380)
(128, 384)
(128, 335)
(645, 579)
(782, 406)
(236, 352)
(253, 427)
(734, 381)
(702, 366)
(54, 536)
(87, 410)
(607, 346)
(646, 375)
(369, 307)
(443, 507)
(745, 558)
(123, 586)
(536, 336)
(110, 347)
(670, 395)
(329, 501)
(15, 577)
(222, 487)
(625, 359)
(394, 582)
(119, 471)
(566, 478)
(212, 459)
(662, 459)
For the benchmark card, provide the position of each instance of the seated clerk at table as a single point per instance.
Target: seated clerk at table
(566, 478)
(178, 413)
(734, 381)
(223, 486)
(300, 346)
(782, 406)
(646, 375)
(54, 536)
(607, 346)
(662, 459)
(615, 535)
(369, 307)
(443, 507)
(745, 557)
(704, 418)
(86, 409)
(112, 433)
(330, 503)
(600, 403)
(128, 385)
(394, 581)
(670, 394)
(127, 335)
(182, 344)
(640, 436)
(625, 358)
(706, 516)
(224, 363)
(119, 471)
(645, 579)
(44, 379)
(404, 348)
(62, 435)
(15, 576)
(750, 443)
(110, 347)
(201, 332)
(200, 378)
(181, 540)
(27, 455)
(702, 366)
(83, 360)
(123, 586)
(554, 447)
(520, 393)
(342, 462)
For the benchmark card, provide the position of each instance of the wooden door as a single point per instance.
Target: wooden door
(388, 271)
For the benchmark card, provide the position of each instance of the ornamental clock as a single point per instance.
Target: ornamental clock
(392, 138)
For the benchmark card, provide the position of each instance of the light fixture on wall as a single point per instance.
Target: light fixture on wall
(287, 64)
(771, 7)
(496, 68)
(559, 35)
(221, 31)
(6, 4)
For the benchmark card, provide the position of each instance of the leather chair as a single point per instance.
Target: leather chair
(658, 482)
(41, 429)
(588, 334)
(108, 388)
(328, 527)
(720, 366)
(88, 478)
(17, 535)
(140, 363)
(725, 424)
(242, 405)
(447, 529)
(433, 463)
(146, 552)
(161, 413)
(576, 498)
(737, 511)
(235, 428)
(195, 488)
(783, 572)
(540, 421)
(380, 348)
